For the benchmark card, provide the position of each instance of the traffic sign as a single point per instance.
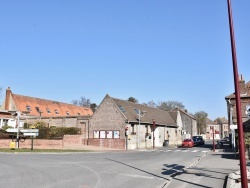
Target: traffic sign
(30, 134)
(233, 127)
(12, 130)
(29, 130)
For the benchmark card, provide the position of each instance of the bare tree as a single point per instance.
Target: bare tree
(170, 105)
(152, 104)
(82, 102)
(201, 117)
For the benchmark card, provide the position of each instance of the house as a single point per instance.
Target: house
(185, 121)
(53, 113)
(223, 124)
(245, 102)
(212, 129)
(7, 119)
(125, 125)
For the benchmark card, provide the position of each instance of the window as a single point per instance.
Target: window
(102, 134)
(28, 108)
(78, 114)
(122, 109)
(48, 110)
(136, 110)
(56, 112)
(67, 113)
(38, 109)
(109, 134)
(116, 134)
(96, 134)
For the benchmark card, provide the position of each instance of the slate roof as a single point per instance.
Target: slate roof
(210, 122)
(160, 117)
(247, 94)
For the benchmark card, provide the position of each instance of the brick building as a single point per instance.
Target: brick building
(245, 102)
(53, 113)
(113, 116)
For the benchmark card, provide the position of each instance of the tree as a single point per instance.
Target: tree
(132, 99)
(201, 117)
(93, 107)
(152, 104)
(82, 102)
(170, 105)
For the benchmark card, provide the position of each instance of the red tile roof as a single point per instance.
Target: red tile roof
(44, 106)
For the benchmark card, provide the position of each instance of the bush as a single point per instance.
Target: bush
(57, 132)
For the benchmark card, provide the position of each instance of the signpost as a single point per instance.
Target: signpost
(26, 132)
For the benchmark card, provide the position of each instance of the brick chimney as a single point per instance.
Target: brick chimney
(242, 85)
(7, 98)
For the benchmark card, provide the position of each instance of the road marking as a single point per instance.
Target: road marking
(168, 150)
(176, 150)
(204, 151)
(136, 176)
(185, 150)
(195, 151)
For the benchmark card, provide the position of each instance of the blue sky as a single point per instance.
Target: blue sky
(151, 50)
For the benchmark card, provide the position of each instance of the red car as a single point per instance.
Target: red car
(188, 143)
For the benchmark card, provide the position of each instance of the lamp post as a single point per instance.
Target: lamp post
(243, 173)
(213, 140)
(140, 114)
(18, 122)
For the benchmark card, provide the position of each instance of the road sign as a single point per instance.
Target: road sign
(30, 134)
(29, 130)
(233, 127)
(11, 130)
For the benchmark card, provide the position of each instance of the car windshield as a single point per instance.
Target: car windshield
(187, 140)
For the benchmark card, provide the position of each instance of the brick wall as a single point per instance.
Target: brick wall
(72, 139)
(37, 144)
(108, 143)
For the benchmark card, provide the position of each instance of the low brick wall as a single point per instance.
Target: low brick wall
(72, 139)
(37, 144)
(108, 143)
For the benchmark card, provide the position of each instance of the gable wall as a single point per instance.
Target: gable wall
(107, 117)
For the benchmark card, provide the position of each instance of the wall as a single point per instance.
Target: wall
(108, 143)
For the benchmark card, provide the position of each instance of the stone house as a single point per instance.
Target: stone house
(125, 125)
(186, 122)
(224, 128)
(212, 129)
(53, 113)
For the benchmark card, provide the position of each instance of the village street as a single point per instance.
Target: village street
(135, 168)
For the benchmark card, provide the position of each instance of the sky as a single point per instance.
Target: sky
(161, 50)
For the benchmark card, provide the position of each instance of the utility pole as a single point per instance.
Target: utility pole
(244, 181)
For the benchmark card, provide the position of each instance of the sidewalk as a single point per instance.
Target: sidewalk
(219, 169)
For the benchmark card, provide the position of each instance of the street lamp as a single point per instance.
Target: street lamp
(140, 114)
(244, 181)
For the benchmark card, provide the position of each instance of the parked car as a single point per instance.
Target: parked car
(187, 143)
(224, 141)
(198, 140)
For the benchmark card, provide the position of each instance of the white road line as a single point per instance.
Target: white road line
(195, 151)
(136, 176)
(185, 150)
(168, 150)
(204, 151)
(177, 150)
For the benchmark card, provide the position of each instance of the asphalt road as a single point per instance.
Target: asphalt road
(123, 169)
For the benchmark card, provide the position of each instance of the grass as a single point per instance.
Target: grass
(41, 150)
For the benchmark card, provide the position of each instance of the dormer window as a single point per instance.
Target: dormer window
(38, 109)
(67, 113)
(56, 112)
(48, 110)
(28, 108)
(78, 114)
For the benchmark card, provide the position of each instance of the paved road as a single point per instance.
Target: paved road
(139, 168)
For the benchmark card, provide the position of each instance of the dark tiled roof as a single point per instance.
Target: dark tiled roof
(173, 114)
(222, 120)
(210, 122)
(128, 109)
(22, 102)
(247, 94)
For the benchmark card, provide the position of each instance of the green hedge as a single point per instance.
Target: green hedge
(57, 132)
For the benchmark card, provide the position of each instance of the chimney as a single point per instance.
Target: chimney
(7, 98)
(242, 85)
